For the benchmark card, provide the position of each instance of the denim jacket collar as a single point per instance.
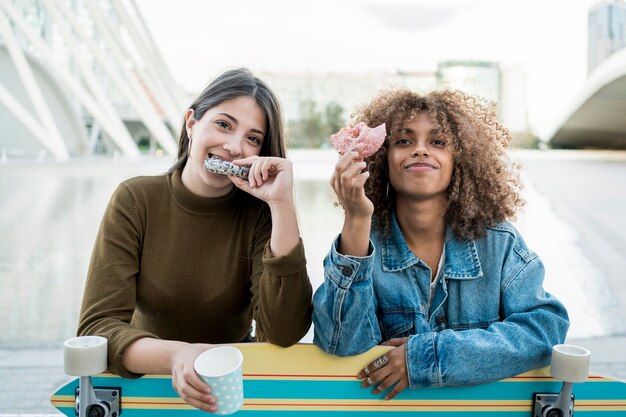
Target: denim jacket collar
(461, 256)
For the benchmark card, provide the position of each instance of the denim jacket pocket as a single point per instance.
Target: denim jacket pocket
(397, 322)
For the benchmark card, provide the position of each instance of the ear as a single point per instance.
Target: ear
(190, 120)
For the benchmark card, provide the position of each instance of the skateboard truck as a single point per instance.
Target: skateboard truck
(85, 356)
(569, 364)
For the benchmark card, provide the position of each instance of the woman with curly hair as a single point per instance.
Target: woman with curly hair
(426, 261)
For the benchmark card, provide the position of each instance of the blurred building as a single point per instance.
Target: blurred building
(307, 94)
(512, 104)
(595, 117)
(347, 89)
(607, 31)
(483, 79)
(501, 84)
(79, 77)
(478, 78)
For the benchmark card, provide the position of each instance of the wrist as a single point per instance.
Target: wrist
(282, 205)
(358, 221)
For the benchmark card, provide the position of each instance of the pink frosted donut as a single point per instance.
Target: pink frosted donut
(370, 139)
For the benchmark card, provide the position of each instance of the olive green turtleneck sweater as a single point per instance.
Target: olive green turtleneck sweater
(172, 265)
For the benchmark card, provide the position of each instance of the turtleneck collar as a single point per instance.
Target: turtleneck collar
(197, 204)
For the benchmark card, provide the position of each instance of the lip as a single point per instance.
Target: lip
(420, 166)
(219, 156)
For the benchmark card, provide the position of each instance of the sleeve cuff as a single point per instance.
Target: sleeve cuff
(344, 269)
(421, 361)
(290, 264)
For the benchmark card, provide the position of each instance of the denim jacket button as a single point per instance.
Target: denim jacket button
(440, 319)
(346, 271)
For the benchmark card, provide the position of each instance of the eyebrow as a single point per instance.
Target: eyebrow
(409, 130)
(234, 120)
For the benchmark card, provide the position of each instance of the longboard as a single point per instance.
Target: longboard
(303, 380)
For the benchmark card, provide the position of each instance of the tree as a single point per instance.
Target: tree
(313, 129)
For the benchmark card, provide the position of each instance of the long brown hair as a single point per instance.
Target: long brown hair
(229, 85)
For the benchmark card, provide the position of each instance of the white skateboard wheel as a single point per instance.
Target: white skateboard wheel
(570, 363)
(85, 355)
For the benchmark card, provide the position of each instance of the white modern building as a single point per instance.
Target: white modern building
(595, 118)
(348, 89)
(478, 78)
(503, 84)
(76, 75)
(607, 31)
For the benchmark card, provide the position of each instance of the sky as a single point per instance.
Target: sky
(547, 39)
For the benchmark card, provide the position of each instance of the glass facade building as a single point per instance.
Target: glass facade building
(478, 78)
(607, 31)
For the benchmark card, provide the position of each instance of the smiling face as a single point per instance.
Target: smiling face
(233, 129)
(420, 160)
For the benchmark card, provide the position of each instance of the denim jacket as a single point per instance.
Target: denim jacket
(490, 317)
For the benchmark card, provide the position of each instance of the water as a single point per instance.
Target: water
(50, 215)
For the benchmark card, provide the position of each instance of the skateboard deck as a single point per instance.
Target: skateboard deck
(303, 380)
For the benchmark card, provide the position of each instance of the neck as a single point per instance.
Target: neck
(421, 221)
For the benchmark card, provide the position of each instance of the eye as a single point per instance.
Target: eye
(222, 124)
(401, 141)
(255, 140)
(438, 142)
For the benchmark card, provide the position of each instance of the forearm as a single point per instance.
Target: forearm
(343, 325)
(283, 297)
(152, 356)
(355, 236)
(285, 231)
(518, 344)
(344, 306)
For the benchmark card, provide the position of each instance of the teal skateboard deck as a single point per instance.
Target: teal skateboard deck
(302, 380)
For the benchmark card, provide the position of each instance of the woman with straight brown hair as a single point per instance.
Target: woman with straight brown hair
(190, 258)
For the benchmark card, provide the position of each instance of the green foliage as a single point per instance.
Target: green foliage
(314, 127)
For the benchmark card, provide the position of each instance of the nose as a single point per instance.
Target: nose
(233, 145)
(420, 149)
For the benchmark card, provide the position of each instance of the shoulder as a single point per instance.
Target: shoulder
(144, 188)
(505, 236)
(144, 184)
(137, 184)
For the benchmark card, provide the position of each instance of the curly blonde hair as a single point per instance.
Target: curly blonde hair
(484, 189)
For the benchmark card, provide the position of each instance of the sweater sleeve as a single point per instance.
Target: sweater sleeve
(109, 297)
(281, 292)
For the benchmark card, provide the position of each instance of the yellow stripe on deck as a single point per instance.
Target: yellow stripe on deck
(600, 405)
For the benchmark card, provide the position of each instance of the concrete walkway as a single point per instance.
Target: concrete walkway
(28, 377)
